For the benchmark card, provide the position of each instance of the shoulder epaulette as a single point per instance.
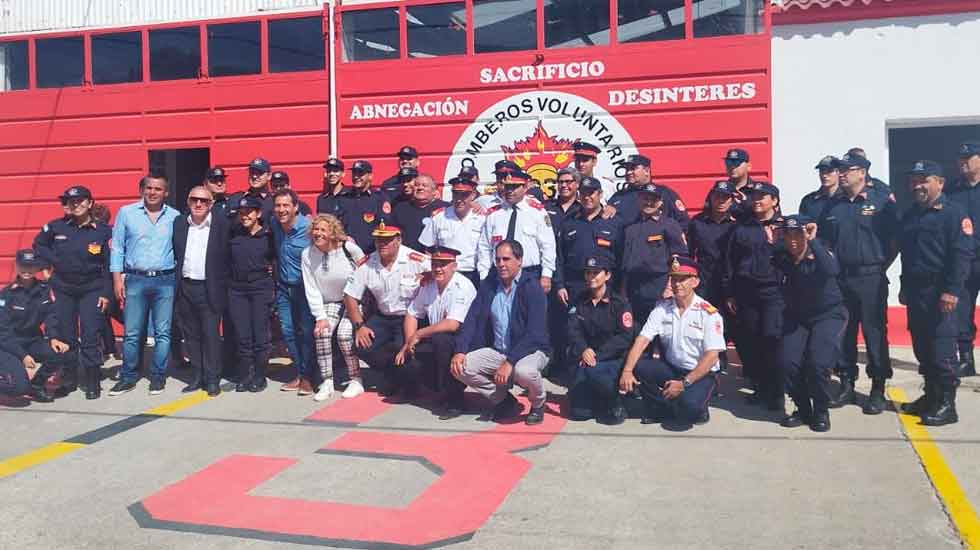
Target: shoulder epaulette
(709, 308)
(493, 209)
(438, 211)
(535, 203)
(363, 260)
(417, 256)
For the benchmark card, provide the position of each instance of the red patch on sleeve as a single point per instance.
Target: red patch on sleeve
(627, 319)
(679, 204)
(386, 207)
(496, 239)
(967, 226)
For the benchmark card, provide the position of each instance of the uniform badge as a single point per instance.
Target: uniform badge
(718, 329)
(61, 237)
(627, 319)
(368, 217)
(94, 248)
(603, 242)
(967, 226)
(679, 205)
(654, 238)
(496, 239)
(386, 207)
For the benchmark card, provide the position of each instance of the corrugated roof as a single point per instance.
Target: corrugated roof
(807, 4)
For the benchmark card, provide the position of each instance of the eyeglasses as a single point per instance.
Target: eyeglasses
(199, 200)
(566, 182)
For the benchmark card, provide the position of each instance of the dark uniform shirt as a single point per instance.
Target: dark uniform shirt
(220, 205)
(937, 246)
(558, 215)
(627, 204)
(741, 200)
(391, 190)
(329, 203)
(22, 312)
(708, 242)
(580, 238)
(607, 327)
(815, 203)
(968, 197)
(411, 218)
(361, 211)
(811, 289)
(267, 205)
(79, 254)
(860, 231)
(648, 247)
(749, 255)
(250, 255)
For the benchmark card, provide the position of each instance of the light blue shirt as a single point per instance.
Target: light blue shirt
(140, 244)
(289, 249)
(500, 315)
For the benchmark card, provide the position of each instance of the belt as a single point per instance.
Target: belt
(160, 273)
(923, 278)
(251, 277)
(193, 281)
(389, 317)
(854, 270)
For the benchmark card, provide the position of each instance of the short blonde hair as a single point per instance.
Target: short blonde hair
(334, 227)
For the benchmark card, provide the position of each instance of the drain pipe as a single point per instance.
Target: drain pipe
(332, 64)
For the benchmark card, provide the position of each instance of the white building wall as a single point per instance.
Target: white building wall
(841, 85)
(22, 16)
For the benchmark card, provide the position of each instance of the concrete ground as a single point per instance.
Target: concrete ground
(275, 470)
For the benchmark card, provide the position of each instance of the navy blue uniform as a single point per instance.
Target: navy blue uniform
(862, 232)
(410, 218)
(558, 215)
(220, 206)
(815, 203)
(606, 327)
(937, 250)
(814, 320)
(80, 257)
(648, 247)
(627, 204)
(361, 211)
(329, 203)
(753, 282)
(968, 197)
(741, 203)
(708, 243)
(22, 313)
(250, 297)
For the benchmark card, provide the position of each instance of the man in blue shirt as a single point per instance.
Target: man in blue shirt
(142, 250)
(504, 339)
(291, 234)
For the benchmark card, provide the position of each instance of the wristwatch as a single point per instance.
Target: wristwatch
(357, 326)
(686, 382)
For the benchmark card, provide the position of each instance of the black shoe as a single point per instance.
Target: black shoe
(213, 389)
(193, 387)
(875, 403)
(508, 408)
(967, 365)
(40, 394)
(704, 418)
(257, 385)
(453, 409)
(654, 414)
(795, 420)
(846, 394)
(820, 422)
(581, 415)
(157, 384)
(122, 387)
(924, 403)
(754, 398)
(93, 390)
(535, 416)
(243, 386)
(943, 411)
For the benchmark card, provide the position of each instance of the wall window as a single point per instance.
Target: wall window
(371, 34)
(234, 49)
(60, 62)
(727, 17)
(296, 45)
(117, 58)
(649, 20)
(13, 66)
(436, 30)
(175, 53)
(569, 23)
(505, 25)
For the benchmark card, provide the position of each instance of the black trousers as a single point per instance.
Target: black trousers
(934, 334)
(558, 324)
(81, 323)
(431, 364)
(757, 333)
(690, 405)
(250, 305)
(199, 324)
(967, 310)
(389, 336)
(13, 375)
(808, 352)
(644, 293)
(866, 299)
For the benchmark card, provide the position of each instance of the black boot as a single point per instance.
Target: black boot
(616, 413)
(875, 403)
(925, 401)
(967, 365)
(846, 395)
(944, 409)
(245, 374)
(69, 381)
(802, 415)
(39, 392)
(820, 421)
(258, 382)
(93, 383)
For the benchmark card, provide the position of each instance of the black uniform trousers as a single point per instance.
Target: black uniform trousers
(757, 333)
(200, 326)
(78, 307)
(389, 336)
(689, 406)
(13, 375)
(866, 299)
(250, 306)
(431, 364)
(967, 311)
(644, 294)
(594, 389)
(934, 333)
(808, 352)
(558, 323)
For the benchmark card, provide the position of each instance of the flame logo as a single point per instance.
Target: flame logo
(541, 156)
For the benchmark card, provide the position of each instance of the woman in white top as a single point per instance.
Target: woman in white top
(326, 265)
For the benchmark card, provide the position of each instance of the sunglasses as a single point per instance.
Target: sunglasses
(199, 200)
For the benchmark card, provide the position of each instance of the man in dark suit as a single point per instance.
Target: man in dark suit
(201, 255)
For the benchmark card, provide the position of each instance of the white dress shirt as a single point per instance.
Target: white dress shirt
(393, 289)
(453, 303)
(196, 250)
(533, 230)
(325, 275)
(686, 337)
(446, 229)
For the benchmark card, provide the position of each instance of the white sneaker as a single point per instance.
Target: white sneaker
(353, 389)
(151, 342)
(325, 391)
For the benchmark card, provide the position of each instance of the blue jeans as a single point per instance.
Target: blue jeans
(297, 326)
(154, 297)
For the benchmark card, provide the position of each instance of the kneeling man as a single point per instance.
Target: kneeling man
(504, 340)
(678, 385)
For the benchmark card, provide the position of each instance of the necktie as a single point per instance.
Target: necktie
(512, 224)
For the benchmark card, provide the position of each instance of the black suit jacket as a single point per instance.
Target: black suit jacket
(215, 260)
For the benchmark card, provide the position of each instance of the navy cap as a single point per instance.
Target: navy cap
(216, 173)
(589, 185)
(469, 172)
(407, 173)
(505, 167)
(926, 168)
(443, 253)
(362, 167)
(851, 160)
(250, 201)
(585, 149)
(279, 177)
(767, 188)
(724, 187)
(28, 258)
(333, 164)
(637, 160)
(829, 162)
(969, 148)
(76, 192)
(736, 156)
(650, 189)
(796, 222)
(600, 261)
(259, 165)
(407, 152)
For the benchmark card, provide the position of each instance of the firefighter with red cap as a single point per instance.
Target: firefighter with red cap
(458, 227)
